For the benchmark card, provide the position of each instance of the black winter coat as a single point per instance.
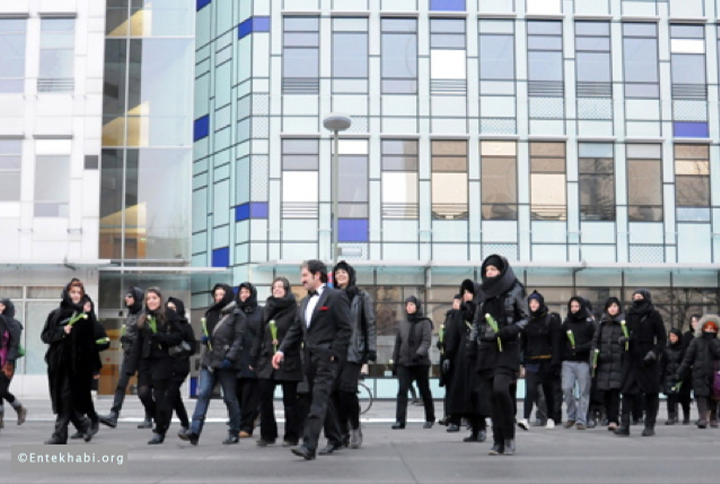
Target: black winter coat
(671, 360)
(251, 329)
(283, 311)
(647, 334)
(413, 339)
(608, 373)
(461, 396)
(364, 335)
(483, 342)
(129, 327)
(152, 347)
(541, 338)
(582, 326)
(701, 355)
(71, 356)
(225, 338)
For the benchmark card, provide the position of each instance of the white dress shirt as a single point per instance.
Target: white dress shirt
(312, 303)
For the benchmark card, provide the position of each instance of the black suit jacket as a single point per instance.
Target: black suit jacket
(330, 327)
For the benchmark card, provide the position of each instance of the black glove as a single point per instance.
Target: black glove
(446, 367)
(372, 356)
(623, 339)
(649, 357)
(417, 358)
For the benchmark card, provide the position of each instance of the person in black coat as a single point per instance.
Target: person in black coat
(608, 363)
(670, 362)
(362, 348)
(540, 349)
(497, 353)
(703, 356)
(157, 331)
(10, 334)
(222, 337)
(641, 372)
(446, 371)
(181, 361)
(72, 360)
(278, 316)
(323, 323)
(685, 396)
(247, 391)
(464, 400)
(411, 357)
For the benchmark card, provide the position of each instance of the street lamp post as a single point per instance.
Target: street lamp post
(335, 122)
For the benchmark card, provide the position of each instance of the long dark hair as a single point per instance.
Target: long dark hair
(159, 312)
(285, 283)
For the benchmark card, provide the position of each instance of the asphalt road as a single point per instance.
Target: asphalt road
(678, 454)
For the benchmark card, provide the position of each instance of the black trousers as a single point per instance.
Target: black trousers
(121, 388)
(248, 395)
(66, 413)
(5, 389)
(611, 401)
(534, 380)
(557, 391)
(268, 424)
(649, 401)
(153, 382)
(345, 401)
(406, 376)
(321, 372)
(502, 406)
(174, 396)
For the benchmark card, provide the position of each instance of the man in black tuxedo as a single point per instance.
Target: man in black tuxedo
(323, 323)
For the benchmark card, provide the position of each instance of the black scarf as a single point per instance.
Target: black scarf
(212, 316)
(276, 305)
(500, 284)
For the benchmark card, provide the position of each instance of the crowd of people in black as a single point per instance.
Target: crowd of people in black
(609, 369)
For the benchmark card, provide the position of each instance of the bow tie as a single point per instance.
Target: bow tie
(313, 293)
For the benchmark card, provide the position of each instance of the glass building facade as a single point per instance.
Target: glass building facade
(580, 139)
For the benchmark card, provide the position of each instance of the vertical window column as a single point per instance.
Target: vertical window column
(689, 81)
(546, 89)
(299, 179)
(353, 191)
(400, 179)
(350, 55)
(644, 179)
(499, 180)
(593, 67)
(548, 187)
(301, 55)
(498, 110)
(12, 55)
(57, 55)
(448, 72)
(52, 178)
(449, 180)
(640, 61)
(597, 181)
(692, 182)
(10, 169)
(399, 56)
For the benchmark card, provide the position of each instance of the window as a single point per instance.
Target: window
(400, 179)
(547, 181)
(687, 56)
(645, 190)
(449, 180)
(52, 186)
(353, 191)
(57, 55)
(301, 55)
(692, 182)
(12, 55)
(300, 178)
(350, 54)
(10, 169)
(545, 62)
(640, 60)
(597, 181)
(592, 54)
(399, 56)
(499, 180)
(497, 51)
(448, 61)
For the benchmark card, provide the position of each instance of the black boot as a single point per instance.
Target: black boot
(623, 430)
(146, 424)
(498, 448)
(509, 447)
(110, 420)
(56, 440)
(157, 438)
(649, 431)
(672, 419)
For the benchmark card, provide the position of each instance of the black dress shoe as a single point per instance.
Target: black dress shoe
(94, 426)
(453, 428)
(303, 452)
(288, 443)
(231, 439)
(428, 425)
(509, 447)
(471, 438)
(190, 437)
(623, 431)
(497, 449)
(329, 449)
(77, 435)
(109, 420)
(146, 424)
(157, 439)
(55, 440)
(482, 436)
(398, 425)
(648, 432)
(264, 443)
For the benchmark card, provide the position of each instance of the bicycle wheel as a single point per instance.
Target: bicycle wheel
(365, 397)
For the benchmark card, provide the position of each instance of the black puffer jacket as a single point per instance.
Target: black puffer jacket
(251, 328)
(541, 337)
(610, 359)
(363, 341)
(413, 338)
(128, 332)
(701, 355)
(151, 345)
(224, 324)
(182, 360)
(583, 329)
(503, 297)
(671, 360)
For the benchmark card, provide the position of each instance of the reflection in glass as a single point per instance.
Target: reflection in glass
(111, 204)
(644, 190)
(52, 186)
(12, 55)
(499, 180)
(548, 197)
